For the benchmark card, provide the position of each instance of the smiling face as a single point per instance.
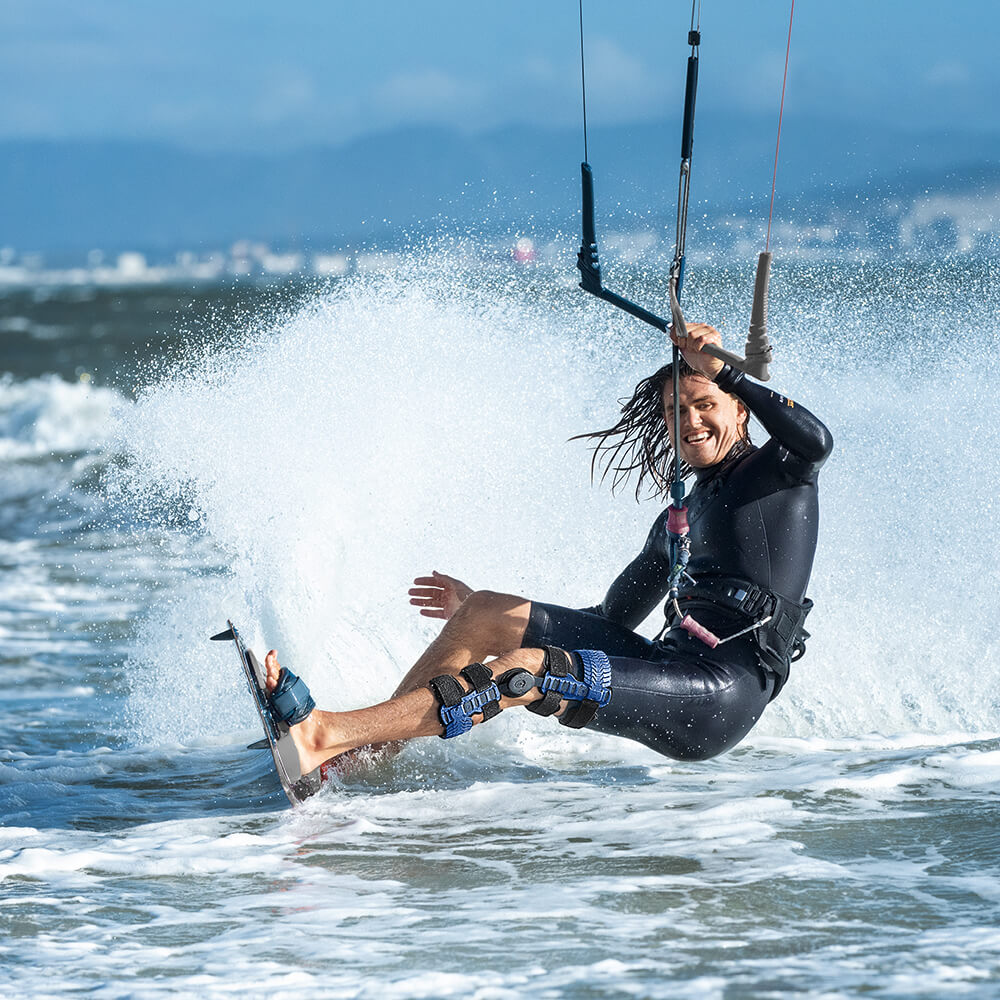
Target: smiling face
(712, 421)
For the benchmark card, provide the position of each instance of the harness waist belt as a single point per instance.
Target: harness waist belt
(780, 642)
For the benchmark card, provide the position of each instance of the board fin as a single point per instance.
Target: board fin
(259, 745)
(224, 636)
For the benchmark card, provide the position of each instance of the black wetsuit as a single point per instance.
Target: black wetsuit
(753, 518)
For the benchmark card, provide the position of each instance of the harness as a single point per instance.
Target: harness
(776, 623)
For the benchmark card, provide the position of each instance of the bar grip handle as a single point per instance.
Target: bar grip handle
(758, 314)
(758, 347)
(723, 355)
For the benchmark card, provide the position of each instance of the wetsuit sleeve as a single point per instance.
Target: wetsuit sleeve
(641, 586)
(803, 436)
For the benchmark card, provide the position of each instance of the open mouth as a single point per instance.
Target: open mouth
(698, 438)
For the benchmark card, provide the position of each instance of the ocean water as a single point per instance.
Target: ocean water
(291, 457)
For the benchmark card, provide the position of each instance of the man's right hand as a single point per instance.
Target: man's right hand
(437, 595)
(698, 335)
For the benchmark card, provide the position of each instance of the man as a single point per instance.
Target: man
(729, 636)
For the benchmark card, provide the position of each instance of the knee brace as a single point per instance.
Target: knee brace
(559, 682)
(459, 706)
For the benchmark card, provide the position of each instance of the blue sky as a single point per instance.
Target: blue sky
(225, 74)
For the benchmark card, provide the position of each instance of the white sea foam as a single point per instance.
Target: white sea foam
(391, 429)
(681, 883)
(49, 416)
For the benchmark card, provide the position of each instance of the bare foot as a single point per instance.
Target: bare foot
(314, 736)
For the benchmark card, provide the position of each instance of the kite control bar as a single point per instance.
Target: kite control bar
(758, 347)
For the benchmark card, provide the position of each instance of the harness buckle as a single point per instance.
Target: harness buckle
(751, 600)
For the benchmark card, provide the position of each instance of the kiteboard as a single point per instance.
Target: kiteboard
(298, 786)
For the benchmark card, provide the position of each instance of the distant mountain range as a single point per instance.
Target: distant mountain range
(70, 196)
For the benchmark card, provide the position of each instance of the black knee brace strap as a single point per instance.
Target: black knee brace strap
(558, 681)
(458, 706)
(557, 664)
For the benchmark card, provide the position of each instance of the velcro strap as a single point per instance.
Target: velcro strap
(481, 678)
(548, 705)
(556, 664)
(446, 689)
(457, 706)
(596, 685)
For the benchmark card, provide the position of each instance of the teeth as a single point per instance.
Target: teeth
(696, 438)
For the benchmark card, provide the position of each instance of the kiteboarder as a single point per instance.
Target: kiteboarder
(735, 624)
(733, 565)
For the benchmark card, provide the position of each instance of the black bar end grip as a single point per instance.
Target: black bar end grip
(587, 179)
(690, 92)
(587, 260)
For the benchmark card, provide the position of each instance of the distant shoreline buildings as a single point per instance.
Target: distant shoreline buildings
(932, 225)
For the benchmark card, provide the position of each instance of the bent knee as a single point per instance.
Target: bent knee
(496, 622)
(497, 612)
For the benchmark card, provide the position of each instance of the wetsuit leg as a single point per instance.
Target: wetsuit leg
(687, 708)
(552, 625)
(675, 696)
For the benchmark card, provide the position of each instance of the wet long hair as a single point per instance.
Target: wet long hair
(640, 441)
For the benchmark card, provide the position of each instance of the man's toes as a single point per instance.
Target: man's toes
(273, 668)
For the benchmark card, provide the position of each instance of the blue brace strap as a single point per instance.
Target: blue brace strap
(592, 693)
(458, 707)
